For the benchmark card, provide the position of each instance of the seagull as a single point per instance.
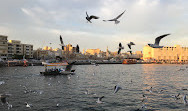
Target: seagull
(99, 100)
(176, 97)
(86, 92)
(130, 52)
(144, 98)
(129, 44)
(69, 77)
(28, 105)
(57, 105)
(77, 49)
(115, 19)
(2, 82)
(120, 47)
(88, 18)
(62, 44)
(185, 100)
(116, 88)
(149, 90)
(3, 98)
(157, 41)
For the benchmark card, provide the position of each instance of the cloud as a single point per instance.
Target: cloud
(41, 22)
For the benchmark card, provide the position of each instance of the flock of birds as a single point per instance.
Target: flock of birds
(89, 18)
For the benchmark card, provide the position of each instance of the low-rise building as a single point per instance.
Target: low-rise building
(3, 47)
(167, 54)
(18, 50)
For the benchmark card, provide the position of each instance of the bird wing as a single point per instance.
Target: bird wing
(129, 46)
(115, 88)
(68, 67)
(93, 17)
(120, 45)
(87, 15)
(109, 20)
(119, 15)
(119, 50)
(157, 40)
(77, 49)
(61, 40)
(101, 98)
(132, 43)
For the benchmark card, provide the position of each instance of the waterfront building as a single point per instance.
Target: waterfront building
(166, 54)
(47, 48)
(18, 50)
(95, 52)
(3, 47)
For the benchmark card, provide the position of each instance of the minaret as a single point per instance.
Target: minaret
(83, 51)
(107, 52)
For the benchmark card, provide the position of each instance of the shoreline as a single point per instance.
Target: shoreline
(5, 64)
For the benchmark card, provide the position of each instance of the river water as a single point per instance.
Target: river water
(67, 93)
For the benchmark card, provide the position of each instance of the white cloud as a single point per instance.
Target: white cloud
(45, 20)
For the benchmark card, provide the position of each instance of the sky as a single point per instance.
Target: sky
(41, 22)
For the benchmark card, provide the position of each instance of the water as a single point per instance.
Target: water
(25, 84)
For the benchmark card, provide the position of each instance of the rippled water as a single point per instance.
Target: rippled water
(45, 92)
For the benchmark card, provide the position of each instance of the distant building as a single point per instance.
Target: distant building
(47, 48)
(167, 54)
(93, 52)
(18, 50)
(3, 47)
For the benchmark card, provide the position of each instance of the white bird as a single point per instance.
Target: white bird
(57, 105)
(115, 19)
(9, 105)
(99, 100)
(116, 88)
(86, 92)
(185, 100)
(2, 82)
(69, 77)
(149, 90)
(28, 105)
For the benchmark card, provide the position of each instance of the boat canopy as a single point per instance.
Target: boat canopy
(56, 64)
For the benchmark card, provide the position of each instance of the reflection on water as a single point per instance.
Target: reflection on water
(68, 92)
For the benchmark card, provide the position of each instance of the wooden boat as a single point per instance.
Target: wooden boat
(68, 70)
(129, 61)
(53, 73)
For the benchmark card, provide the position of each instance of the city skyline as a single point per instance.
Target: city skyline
(42, 22)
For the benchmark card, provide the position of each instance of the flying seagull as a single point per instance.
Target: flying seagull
(99, 100)
(130, 52)
(129, 44)
(120, 47)
(149, 90)
(157, 41)
(115, 19)
(116, 89)
(28, 105)
(185, 100)
(62, 44)
(77, 49)
(69, 67)
(88, 18)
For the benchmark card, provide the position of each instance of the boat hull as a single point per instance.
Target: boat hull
(57, 73)
(129, 61)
